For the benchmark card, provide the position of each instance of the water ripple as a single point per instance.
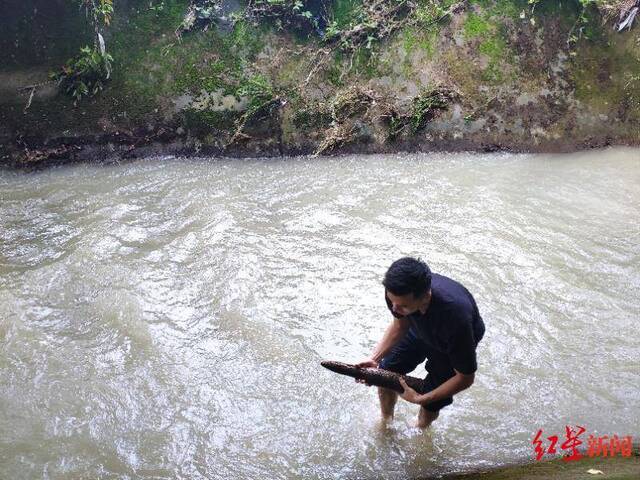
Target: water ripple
(166, 318)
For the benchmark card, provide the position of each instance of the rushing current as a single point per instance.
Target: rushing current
(166, 318)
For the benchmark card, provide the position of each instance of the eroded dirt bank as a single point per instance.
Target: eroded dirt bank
(474, 75)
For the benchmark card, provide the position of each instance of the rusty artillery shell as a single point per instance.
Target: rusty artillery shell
(374, 376)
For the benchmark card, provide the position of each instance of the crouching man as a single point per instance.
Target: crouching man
(434, 318)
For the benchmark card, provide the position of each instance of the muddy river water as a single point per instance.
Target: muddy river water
(166, 318)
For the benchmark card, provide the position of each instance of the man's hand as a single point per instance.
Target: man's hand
(409, 394)
(368, 363)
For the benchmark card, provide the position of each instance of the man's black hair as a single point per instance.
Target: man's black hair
(408, 275)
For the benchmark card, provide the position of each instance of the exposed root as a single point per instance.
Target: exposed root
(337, 136)
(384, 17)
(374, 109)
(318, 61)
(32, 90)
(356, 110)
(262, 111)
(34, 156)
(354, 100)
(620, 12)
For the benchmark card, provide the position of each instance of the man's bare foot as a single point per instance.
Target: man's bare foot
(421, 425)
(385, 422)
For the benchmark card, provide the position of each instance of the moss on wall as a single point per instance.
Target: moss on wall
(515, 71)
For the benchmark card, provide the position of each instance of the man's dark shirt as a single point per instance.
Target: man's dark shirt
(452, 324)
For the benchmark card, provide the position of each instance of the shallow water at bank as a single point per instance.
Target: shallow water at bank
(166, 318)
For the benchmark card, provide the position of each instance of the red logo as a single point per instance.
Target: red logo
(604, 446)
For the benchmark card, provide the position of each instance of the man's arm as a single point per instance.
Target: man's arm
(457, 383)
(462, 354)
(394, 333)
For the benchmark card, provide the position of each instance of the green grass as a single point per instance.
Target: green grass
(425, 40)
(476, 26)
(429, 12)
(488, 32)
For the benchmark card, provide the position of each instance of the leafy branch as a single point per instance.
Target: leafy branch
(84, 75)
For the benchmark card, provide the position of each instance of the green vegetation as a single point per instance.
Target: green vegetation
(424, 107)
(294, 15)
(260, 98)
(490, 39)
(589, 15)
(378, 54)
(155, 62)
(203, 121)
(419, 38)
(508, 8)
(357, 24)
(84, 75)
(210, 62)
(345, 12)
(333, 73)
(423, 32)
(152, 64)
(366, 62)
(476, 26)
(258, 90)
(100, 11)
(430, 12)
(310, 117)
(609, 8)
(344, 15)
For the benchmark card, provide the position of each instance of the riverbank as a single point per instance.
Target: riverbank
(479, 75)
(618, 468)
(118, 148)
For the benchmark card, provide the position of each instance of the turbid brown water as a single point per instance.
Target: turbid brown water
(166, 318)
